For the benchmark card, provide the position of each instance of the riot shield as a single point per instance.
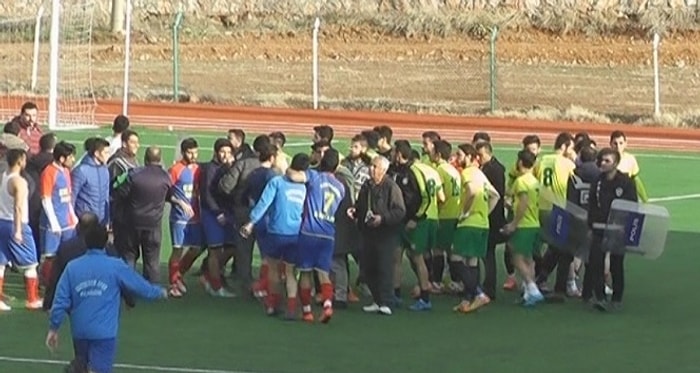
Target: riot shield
(566, 228)
(636, 228)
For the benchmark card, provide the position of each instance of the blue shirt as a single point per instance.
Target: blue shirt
(89, 290)
(90, 188)
(282, 201)
(324, 193)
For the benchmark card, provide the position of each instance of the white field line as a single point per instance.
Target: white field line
(128, 367)
(674, 198)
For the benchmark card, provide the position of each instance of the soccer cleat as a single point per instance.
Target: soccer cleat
(34, 305)
(572, 290)
(374, 307)
(531, 300)
(479, 302)
(271, 311)
(222, 293)
(174, 292)
(385, 310)
(180, 285)
(308, 317)
(259, 290)
(510, 284)
(4, 306)
(608, 290)
(462, 307)
(326, 315)
(421, 305)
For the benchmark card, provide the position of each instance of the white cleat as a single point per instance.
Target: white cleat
(35, 305)
(374, 307)
(4, 306)
(384, 310)
(222, 293)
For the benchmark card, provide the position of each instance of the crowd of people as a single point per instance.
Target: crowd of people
(445, 208)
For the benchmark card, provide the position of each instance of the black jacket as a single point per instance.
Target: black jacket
(495, 172)
(385, 200)
(210, 198)
(244, 152)
(579, 186)
(604, 192)
(407, 182)
(35, 165)
(67, 251)
(346, 233)
(232, 185)
(143, 194)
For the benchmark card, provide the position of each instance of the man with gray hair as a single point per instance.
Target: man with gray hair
(379, 212)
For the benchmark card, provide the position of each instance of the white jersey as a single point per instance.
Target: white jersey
(115, 143)
(7, 201)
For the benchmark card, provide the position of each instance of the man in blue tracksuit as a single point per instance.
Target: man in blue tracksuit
(90, 182)
(89, 290)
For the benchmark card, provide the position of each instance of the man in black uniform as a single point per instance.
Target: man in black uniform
(379, 212)
(143, 192)
(610, 185)
(495, 172)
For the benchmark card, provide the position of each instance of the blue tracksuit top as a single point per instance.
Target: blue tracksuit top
(90, 186)
(283, 202)
(89, 290)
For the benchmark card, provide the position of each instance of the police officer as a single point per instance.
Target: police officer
(609, 186)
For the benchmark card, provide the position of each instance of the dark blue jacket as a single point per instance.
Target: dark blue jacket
(89, 291)
(90, 182)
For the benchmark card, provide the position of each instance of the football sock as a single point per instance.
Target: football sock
(46, 270)
(2, 280)
(174, 271)
(271, 300)
(292, 305)
(305, 297)
(326, 292)
(31, 284)
(508, 261)
(215, 282)
(454, 271)
(438, 267)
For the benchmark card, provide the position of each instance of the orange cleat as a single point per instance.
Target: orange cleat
(510, 284)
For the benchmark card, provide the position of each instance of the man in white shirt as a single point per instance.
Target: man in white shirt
(120, 124)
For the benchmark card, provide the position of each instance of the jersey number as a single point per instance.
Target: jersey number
(547, 174)
(455, 187)
(328, 202)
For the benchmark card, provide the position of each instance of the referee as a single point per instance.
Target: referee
(610, 185)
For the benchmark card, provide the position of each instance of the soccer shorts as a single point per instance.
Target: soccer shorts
(471, 242)
(51, 240)
(281, 247)
(445, 234)
(422, 238)
(315, 253)
(525, 241)
(183, 234)
(20, 254)
(260, 231)
(215, 234)
(95, 354)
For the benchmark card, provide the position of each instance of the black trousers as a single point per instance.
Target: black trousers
(378, 265)
(594, 278)
(132, 243)
(243, 254)
(559, 259)
(490, 271)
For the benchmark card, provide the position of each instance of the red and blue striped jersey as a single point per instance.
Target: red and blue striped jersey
(324, 193)
(57, 198)
(185, 180)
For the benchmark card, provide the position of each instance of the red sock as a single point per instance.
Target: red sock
(326, 293)
(174, 271)
(46, 269)
(215, 282)
(2, 285)
(292, 305)
(305, 295)
(264, 276)
(186, 262)
(31, 286)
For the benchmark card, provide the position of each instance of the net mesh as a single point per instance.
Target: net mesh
(25, 69)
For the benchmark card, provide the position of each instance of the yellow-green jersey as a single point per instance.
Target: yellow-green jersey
(429, 184)
(527, 184)
(514, 173)
(628, 164)
(474, 178)
(553, 174)
(452, 185)
(425, 159)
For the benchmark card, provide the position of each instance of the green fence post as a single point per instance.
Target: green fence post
(492, 68)
(176, 55)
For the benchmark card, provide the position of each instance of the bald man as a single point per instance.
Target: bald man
(144, 192)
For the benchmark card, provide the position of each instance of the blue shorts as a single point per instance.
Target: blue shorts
(50, 241)
(276, 246)
(215, 234)
(183, 234)
(315, 253)
(20, 254)
(95, 354)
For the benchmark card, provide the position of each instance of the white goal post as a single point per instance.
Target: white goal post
(46, 57)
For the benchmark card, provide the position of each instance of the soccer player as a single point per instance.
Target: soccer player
(524, 228)
(89, 292)
(282, 201)
(324, 193)
(185, 226)
(553, 173)
(257, 181)
(216, 219)
(448, 211)
(470, 243)
(628, 163)
(90, 181)
(58, 219)
(429, 137)
(16, 239)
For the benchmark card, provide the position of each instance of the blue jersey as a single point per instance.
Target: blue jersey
(282, 201)
(324, 193)
(185, 180)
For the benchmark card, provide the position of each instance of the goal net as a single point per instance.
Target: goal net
(26, 74)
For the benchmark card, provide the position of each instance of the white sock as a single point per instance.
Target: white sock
(2, 271)
(31, 272)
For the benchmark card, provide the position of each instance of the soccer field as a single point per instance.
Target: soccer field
(655, 332)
